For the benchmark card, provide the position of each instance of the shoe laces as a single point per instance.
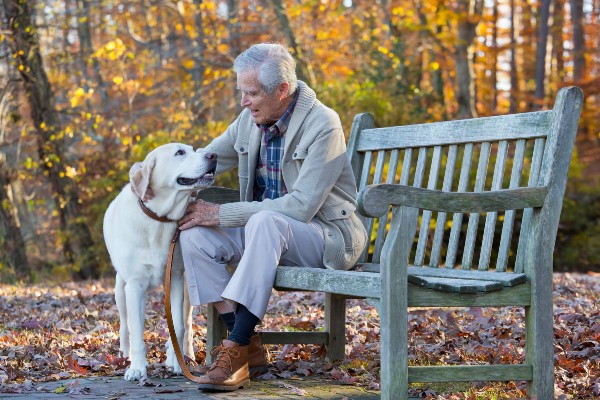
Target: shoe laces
(224, 357)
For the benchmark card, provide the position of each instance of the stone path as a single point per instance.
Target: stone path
(115, 388)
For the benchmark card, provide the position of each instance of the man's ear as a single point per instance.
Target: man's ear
(139, 176)
(284, 90)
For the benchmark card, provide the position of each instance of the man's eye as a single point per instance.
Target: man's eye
(180, 152)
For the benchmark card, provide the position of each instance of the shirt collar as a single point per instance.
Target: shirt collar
(280, 127)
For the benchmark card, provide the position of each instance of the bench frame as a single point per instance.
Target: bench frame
(395, 284)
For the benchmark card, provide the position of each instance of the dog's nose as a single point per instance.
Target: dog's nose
(211, 156)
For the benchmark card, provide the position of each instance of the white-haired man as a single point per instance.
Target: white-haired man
(297, 207)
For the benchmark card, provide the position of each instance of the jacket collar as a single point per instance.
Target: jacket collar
(306, 101)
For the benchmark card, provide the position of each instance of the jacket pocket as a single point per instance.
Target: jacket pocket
(343, 216)
(241, 147)
(299, 154)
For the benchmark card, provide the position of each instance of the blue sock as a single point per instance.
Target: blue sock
(229, 319)
(245, 322)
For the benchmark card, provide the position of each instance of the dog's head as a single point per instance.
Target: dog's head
(175, 167)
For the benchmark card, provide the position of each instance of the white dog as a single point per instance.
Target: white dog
(138, 227)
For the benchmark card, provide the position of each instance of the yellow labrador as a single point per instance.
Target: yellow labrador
(138, 227)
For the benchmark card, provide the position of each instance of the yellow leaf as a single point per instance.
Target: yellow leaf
(79, 92)
(383, 50)
(434, 65)
(189, 64)
(117, 80)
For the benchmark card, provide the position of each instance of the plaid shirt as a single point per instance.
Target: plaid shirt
(269, 183)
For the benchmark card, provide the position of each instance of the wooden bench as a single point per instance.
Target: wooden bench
(470, 236)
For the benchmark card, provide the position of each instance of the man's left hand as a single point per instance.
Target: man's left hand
(200, 213)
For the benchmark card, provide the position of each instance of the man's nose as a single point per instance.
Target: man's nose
(244, 102)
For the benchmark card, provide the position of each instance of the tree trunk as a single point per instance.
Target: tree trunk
(494, 62)
(78, 246)
(86, 50)
(541, 53)
(558, 48)
(305, 72)
(578, 40)
(514, 78)
(11, 241)
(233, 26)
(470, 13)
(198, 108)
(526, 51)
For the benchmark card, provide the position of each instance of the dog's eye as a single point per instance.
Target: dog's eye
(180, 152)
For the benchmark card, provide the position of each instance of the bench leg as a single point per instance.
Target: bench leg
(539, 338)
(216, 330)
(335, 325)
(394, 305)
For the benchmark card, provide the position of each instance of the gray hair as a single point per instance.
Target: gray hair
(274, 64)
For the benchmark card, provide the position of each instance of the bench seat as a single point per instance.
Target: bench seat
(365, 281)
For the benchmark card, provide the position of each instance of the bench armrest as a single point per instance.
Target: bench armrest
(219, 195)
(374, 200)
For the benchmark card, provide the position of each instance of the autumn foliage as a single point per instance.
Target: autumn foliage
(90, 86)
(71, 330)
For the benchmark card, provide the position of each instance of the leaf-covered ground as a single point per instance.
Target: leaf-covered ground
(62, 331)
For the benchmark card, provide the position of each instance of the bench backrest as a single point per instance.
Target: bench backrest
(475, 155)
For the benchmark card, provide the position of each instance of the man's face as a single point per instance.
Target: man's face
(264, 107)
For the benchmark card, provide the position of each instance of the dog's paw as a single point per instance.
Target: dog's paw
(171, 361)
(135, 374)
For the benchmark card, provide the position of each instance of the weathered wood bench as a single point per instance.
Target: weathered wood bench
(421, 256)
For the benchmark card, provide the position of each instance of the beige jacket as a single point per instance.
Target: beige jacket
(316, 171)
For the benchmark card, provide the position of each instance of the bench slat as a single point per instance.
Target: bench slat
(508, 279)
(465, 373)
(509, 216)
(534, 174)
(517, 126)
(350, 283)
(426, 217)
(382, 223)
(440, 226)
(484, 156)
(490, 220)
(364, 181)
(465, 172)
(455, 285)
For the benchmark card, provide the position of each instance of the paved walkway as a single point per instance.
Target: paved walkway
(115, 388)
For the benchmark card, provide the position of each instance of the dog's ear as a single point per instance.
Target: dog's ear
(139, 176)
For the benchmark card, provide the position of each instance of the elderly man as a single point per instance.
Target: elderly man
(297, 207)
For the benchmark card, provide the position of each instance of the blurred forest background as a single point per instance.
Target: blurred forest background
(87, 87)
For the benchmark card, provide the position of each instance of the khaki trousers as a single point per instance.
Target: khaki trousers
(268, 240)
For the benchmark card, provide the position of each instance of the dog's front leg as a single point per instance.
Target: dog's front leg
(135, 294)
(122, 307)
(188, 336)
(177, 313)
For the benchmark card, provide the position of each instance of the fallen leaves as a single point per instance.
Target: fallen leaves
(49, 333)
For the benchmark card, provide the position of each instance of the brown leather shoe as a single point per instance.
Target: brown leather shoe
(229, 371)
(257, 359)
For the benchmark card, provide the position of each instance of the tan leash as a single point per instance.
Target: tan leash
(174, 341)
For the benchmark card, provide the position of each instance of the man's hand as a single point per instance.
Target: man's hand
(200, 213)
